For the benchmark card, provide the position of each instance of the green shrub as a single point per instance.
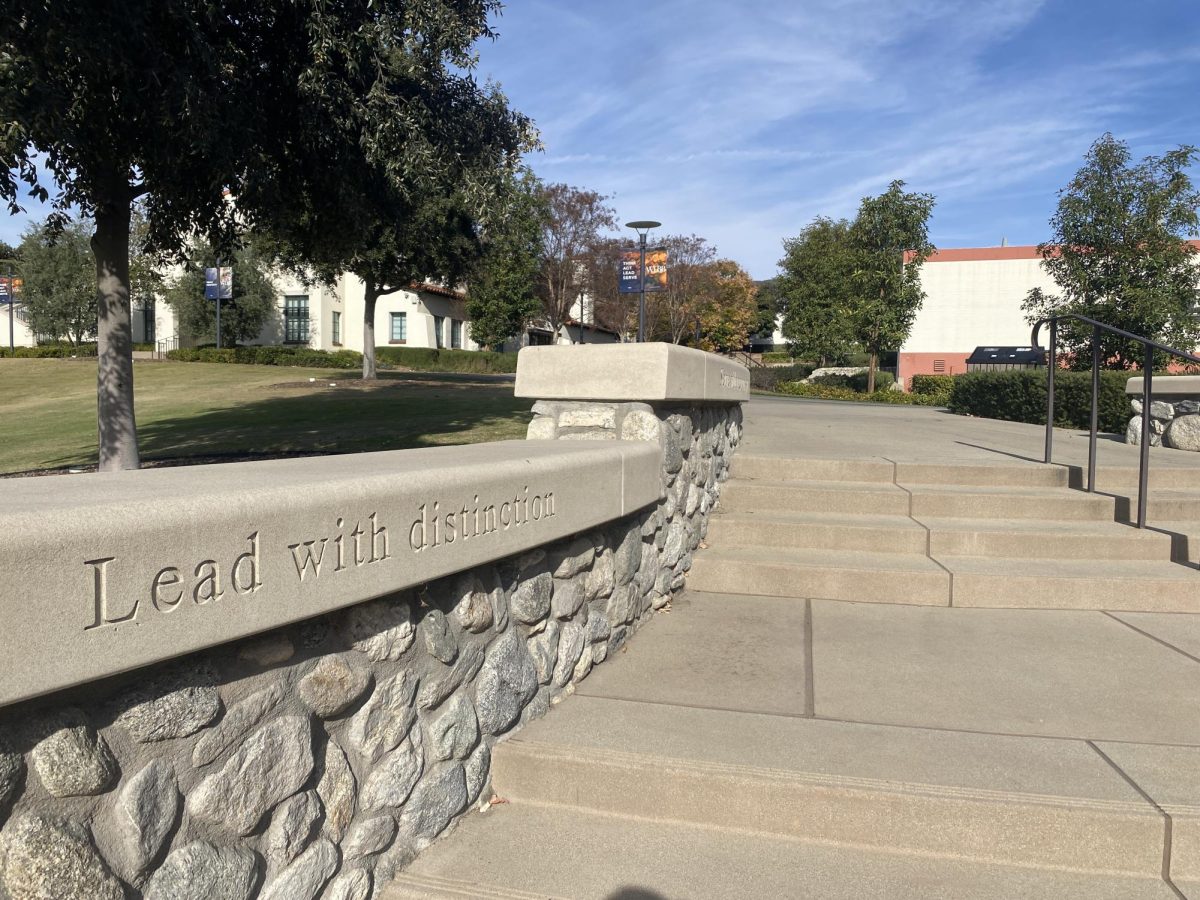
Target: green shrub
(768, 378)
(938, 386)
(778, 356)
(49, 351)
(856, 382)
(270, 356)
(429, 359)
(1020, 396)
(831, 392)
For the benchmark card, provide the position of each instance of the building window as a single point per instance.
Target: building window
(439, 324)
(455, 334)
(148, 321)
(295, 319)
(337, 328)
(399, 332)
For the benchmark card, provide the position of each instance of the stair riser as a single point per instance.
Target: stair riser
(1018, 545)
(781, 580)
(1014, 591)
(772, 469)
(870, 538)
(746, 496)
(1065, 507)
(982, 476)
(998, 829)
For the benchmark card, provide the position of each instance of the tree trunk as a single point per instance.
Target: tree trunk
(874, 364)
(117, 429)
(370, 299)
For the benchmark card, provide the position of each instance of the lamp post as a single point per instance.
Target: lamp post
(642, 227)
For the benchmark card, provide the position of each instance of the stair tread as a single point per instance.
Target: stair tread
(520, 851)
(1091, 569)
(826, 559)
(882, 758)
(815, 485)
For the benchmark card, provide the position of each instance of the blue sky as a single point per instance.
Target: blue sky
(742, 121)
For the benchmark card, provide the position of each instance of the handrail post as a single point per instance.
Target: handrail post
(1095, 423)
(1051, 365)
(1144, 464)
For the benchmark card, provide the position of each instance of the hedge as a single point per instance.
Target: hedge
(778, 356)
(856, 382)
(428, 359)
(270, 356)
(938, 386)
(49, 351)
(1020, 396)
(829, 392)
(768, 378)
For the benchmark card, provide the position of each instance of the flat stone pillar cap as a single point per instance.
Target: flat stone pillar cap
(651, 372)
(1160, 385)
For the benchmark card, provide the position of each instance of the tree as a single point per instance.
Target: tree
(770, 306)
(609, 307)
(254, 300)
(727, 306)
(501, 296)
(573, 227)
(674, 314)
(1119, 254)
(59, 291)
(9, 253)
(816, 291)
(889, 241)
(179, 102)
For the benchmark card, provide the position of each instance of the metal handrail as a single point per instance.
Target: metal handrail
(1149, 347)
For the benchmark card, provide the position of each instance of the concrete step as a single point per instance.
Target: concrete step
(1023, 538)
(989, 798)
(998, 475)
(825, 574)
(1017, 538)
(817, 531)
(982, 502)
(814, 496)
(521, 851)
(788, 468)
(1031, 583)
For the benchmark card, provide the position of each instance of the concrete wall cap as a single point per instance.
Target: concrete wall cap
(651, 372)
(1162, 385)
(106, 573)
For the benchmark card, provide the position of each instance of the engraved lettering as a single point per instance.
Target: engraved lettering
(451, 528)
(418, 544)
(341, 550)
(305, 559)
(249, 559)
(211, 578)
(165, 579)
(378, 532)
(506, 515)
(357, 533)
(100, 589)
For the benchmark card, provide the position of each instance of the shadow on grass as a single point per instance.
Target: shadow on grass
(299, 419)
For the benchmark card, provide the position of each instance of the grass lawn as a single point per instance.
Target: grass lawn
(48, 411)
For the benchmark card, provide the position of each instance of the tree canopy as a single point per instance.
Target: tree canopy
(816, 291)
(253, 304)
(59, 291)
(1119, 253)
(889, 241)
(727, 306)
(573, 227)
(501, 296)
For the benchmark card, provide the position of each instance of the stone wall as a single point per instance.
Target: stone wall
(316, 759)
(1175, 425)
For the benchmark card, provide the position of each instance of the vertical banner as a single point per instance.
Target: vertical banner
(631, 262)
(218, 283)
(9, 288)
(656, 271)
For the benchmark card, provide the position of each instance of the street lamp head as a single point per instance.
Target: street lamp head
(642, 225)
